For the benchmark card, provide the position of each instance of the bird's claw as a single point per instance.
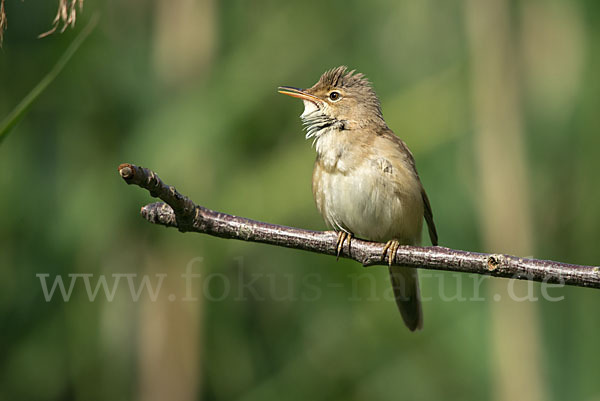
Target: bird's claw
(339, 244)
(391, 246)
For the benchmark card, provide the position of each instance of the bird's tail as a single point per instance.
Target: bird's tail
(405, 282)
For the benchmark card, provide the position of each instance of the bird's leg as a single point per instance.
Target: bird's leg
(392, 246)
(339, 244)
(349, 238)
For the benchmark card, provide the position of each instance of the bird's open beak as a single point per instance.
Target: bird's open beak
(299, 93)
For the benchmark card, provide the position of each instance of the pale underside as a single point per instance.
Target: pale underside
(368, 189)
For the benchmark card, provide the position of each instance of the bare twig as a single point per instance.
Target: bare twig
(180, 212)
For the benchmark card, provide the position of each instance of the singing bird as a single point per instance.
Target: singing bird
(365, 182)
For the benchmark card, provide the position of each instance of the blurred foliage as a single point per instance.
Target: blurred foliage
(189, 90)
(21, 109)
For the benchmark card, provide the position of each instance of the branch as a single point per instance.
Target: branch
(180, 212)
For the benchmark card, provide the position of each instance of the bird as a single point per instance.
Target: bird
(365, 183)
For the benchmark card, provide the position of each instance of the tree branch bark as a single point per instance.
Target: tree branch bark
(180, 212)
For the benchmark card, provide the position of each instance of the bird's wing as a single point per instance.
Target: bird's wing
(429, 218)
(428, 213)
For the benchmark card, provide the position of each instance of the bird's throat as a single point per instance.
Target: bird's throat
(309, 107)
(317, 122)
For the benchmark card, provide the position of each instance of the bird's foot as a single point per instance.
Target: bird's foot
(391, 246)
(339, 244)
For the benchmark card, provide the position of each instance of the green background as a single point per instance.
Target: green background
(188, 89)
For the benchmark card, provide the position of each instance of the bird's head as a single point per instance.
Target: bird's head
(340, 100)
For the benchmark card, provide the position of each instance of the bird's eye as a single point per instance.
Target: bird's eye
(335, 96)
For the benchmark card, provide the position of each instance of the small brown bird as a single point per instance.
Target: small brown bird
(365, 182)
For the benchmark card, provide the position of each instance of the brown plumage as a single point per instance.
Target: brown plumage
(365, 182)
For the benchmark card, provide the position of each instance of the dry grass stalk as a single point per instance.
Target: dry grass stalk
(67, 14)
(2, 20)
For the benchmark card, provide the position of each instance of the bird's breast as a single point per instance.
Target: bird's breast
(369, 196)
